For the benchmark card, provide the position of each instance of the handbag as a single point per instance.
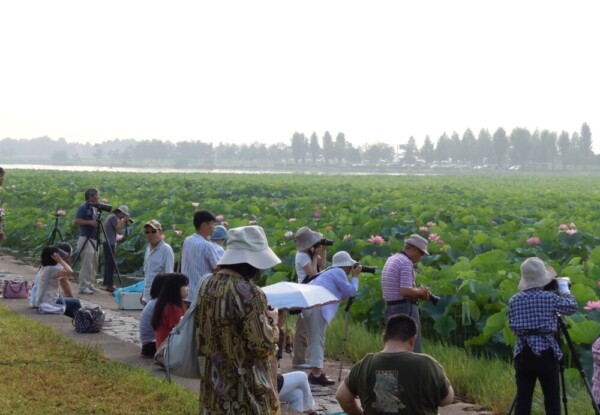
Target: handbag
(14, 289)
(88, 320)
(178, 354)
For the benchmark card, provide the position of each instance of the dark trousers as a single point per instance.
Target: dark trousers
(529, 368)
(72, 305)
(109, 264)
(412, 310)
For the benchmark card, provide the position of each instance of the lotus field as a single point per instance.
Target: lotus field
(480, 230)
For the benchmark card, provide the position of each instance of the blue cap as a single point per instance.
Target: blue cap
(219, 233)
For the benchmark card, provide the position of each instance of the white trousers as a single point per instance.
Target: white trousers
(296, 391)
(88, 255)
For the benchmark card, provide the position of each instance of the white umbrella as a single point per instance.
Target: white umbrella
(290, 295)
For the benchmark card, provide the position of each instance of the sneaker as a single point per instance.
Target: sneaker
(109, 288)
(86, 291)
(322, 379)
(94, 289)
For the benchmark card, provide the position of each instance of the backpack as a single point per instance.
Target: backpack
(88, 320)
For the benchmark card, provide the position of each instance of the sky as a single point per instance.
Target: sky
(244, 71)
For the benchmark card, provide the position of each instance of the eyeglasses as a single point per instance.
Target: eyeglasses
(150, 231)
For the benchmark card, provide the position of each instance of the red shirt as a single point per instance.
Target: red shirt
(170, 317)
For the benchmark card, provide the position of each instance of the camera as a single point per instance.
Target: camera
(434, 299)
(326, 242)
(366, 268)
(129, 220)
(104, 207)
(553, 285)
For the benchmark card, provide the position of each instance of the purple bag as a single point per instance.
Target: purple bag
(13, 289)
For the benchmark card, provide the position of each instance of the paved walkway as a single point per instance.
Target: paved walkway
(119, 339)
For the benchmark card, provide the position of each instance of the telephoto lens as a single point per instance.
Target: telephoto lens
(326, 242)
(434, 299)
(368, 269)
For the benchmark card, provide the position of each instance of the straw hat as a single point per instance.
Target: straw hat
(418, 242)
(248, 244)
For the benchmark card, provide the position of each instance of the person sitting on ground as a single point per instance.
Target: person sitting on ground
(334, 279)
(396, 380)
(169, 306)
(52, 280)
(218, 238)
(147, 336)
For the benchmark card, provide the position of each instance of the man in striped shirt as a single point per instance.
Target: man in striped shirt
(398, 285)
(198, 254)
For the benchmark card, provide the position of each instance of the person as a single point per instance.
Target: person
(113, 225)
(533, 318)
(158, 258)
(87, 218)
(52, 280)
(596, 376)
(218, 238)
(311, 257)
(335, 280)
(198, 255)
(169, 306)
(237, 332)
(396, 380)
(398, 284)
(147, 336)
(2, 173)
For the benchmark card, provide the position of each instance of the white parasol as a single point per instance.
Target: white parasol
(290, 295)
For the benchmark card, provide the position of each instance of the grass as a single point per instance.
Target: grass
(45, 373)
(487, 382)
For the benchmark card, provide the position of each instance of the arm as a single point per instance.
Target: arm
(169, 259)
(347, 400)
(420, 293)
(449, 397)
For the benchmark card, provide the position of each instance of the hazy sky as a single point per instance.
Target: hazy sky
(243, 71)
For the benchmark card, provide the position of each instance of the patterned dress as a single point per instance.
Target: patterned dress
(236, 344)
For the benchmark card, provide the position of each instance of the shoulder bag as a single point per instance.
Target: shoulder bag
(88, 320)
(14, 289)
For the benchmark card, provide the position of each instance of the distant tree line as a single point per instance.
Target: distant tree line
(527, 150)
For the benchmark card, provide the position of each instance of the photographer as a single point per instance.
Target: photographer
(87, 218)
(113, 225)
(533, 317)
(398, 284)
(311, 257)
(335, 280)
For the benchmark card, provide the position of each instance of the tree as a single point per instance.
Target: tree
(485, 148)
(520, 140)
(328, 148)
(585, 144)
(564, 147)
(374, 153)
(298, 147)
(454, 149)
(340, 147)
(548, 147)
(468, 147)
(315, 149)
(500, 143)
(427, 151)
(411, 152)
(278, 152)
(442, 148)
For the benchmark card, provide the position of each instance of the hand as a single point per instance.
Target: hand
(423, 292)
(273, 315)
(356, 270)
(56, 256)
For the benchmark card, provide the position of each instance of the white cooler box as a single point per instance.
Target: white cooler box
(130, 301)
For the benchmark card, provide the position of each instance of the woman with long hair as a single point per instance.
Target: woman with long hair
(169, 306)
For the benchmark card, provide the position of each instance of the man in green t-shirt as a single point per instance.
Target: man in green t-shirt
(396, 380)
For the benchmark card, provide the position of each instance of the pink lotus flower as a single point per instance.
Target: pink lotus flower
(292, 220)
(377, 240)
(119, 237)
(431, 223)
(288, 234)
(423, 229)
(195, 204)
(433, 237)
(274, 203)
(348, 236)
(39, 224)
(571, 231)
(178, 232)
(60, 212)
(440, 242)
(494, 223)
(563, 227)
(219, 218)
(592, 305)
(534, 240)
(572, 226)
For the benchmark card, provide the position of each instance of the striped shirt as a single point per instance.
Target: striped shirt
(532, 316)
(198, 258)
(398, 272)
(596, 378)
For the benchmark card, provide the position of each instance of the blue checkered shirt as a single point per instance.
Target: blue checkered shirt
(532, 316)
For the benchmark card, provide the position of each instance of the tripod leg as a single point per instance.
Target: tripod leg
(111, 252)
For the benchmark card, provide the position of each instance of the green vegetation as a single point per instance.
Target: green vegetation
(54, 375)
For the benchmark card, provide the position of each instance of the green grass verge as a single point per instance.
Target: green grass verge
(487, 382)
(45, 373)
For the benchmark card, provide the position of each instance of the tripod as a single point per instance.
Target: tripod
(101, 231)
(55, 231)
(562, 329)
(347, 310)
